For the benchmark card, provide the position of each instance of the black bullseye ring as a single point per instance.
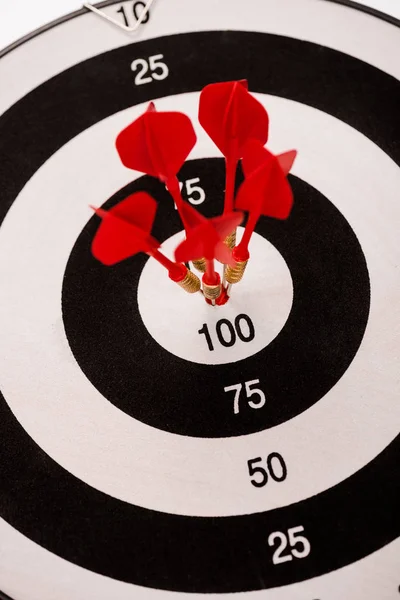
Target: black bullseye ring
(315, 347)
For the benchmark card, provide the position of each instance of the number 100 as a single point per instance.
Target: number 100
(227, 334)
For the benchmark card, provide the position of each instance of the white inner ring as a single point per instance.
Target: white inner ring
(95, 441)
(173, 317)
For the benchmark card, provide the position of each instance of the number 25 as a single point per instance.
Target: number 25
(303, 545)
(159, 69)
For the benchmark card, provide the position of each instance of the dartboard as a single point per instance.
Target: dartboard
(153, 445)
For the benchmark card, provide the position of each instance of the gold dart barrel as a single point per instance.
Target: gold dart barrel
(235, 274)
(230, 240)
(190, 283)
(211, 292)
(200, 264)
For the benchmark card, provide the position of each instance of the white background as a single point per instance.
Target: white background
(18, 18)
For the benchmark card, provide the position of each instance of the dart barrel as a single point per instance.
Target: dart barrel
(200, 264)
(235, 274)
(190, 283)
(230, 240)
(211, 292)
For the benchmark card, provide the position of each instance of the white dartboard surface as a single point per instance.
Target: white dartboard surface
(142, 455)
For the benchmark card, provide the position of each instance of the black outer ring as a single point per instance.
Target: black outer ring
(321, 336)
(193, 554)
(187, 553)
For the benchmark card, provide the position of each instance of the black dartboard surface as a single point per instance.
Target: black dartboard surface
(146, 450)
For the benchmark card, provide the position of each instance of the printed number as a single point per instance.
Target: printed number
(159, 69)
(190, 188)
(300, 547)
(194, 193)
(136, 13)
(249, 392)
(226, 332)
(276, 468)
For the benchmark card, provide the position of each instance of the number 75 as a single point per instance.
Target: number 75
(250, 391)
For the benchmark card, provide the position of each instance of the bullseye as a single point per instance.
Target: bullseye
(173, 321)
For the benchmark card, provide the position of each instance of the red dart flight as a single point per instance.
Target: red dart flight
(158, 143)
(231, 116)
(125, 231)
(256, 155)
(265, 190)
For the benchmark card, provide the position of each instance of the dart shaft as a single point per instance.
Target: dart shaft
(210, 276)
(230, 176)
(163, 260)
(243, 246)
(178, 272)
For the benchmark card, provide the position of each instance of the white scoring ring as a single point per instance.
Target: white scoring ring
(173, 318)
(118, 455)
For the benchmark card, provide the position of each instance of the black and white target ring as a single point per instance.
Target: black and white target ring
(121, 452)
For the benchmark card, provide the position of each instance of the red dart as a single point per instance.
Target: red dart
(205, 238)
(256, 155)
(265, 190)
(158, 143)
(125, 231)
(231, 116)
